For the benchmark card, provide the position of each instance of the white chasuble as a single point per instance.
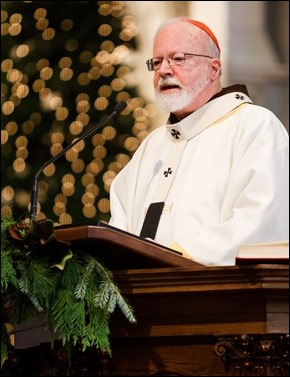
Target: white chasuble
(216, 173)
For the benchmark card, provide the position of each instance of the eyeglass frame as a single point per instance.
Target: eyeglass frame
(150, 62)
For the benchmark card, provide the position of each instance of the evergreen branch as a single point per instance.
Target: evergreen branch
(69, 317)
(6, 344)
(126, 309)
(8, 273)
(112, 300)
(81, 287)
(97, 329)
(77, 299)
(103, 295)
(109, 295)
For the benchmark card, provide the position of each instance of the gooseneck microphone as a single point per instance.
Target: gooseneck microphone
(33, 210)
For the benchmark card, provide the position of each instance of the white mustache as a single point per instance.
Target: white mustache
(168, 81)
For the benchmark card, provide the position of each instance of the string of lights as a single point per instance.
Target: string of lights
(62, 72)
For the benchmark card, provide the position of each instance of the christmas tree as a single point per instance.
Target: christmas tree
(63, 70)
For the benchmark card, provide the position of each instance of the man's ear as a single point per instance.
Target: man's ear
(215, 68)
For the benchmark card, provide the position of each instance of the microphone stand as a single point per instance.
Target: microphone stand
(33, 210)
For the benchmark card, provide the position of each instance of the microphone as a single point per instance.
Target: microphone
(33, 210)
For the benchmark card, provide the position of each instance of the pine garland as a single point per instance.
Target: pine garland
(40, 273)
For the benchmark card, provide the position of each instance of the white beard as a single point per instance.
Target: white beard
(178, 101)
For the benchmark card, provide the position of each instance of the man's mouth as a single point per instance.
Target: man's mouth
(168, 87)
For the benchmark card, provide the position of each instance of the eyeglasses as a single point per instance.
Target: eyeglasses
(174, 60)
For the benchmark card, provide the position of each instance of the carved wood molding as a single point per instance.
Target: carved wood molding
(45, 360)
(92, 362)
(254, 355)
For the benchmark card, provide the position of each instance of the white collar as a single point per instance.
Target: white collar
(206, 116)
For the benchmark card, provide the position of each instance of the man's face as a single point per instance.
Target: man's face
(178, 87)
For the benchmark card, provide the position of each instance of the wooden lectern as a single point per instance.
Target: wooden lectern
(121, 250)
(192, 320)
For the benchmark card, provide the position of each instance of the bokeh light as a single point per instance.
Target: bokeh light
(62, 73)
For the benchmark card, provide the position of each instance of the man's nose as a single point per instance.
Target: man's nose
(165, 66)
